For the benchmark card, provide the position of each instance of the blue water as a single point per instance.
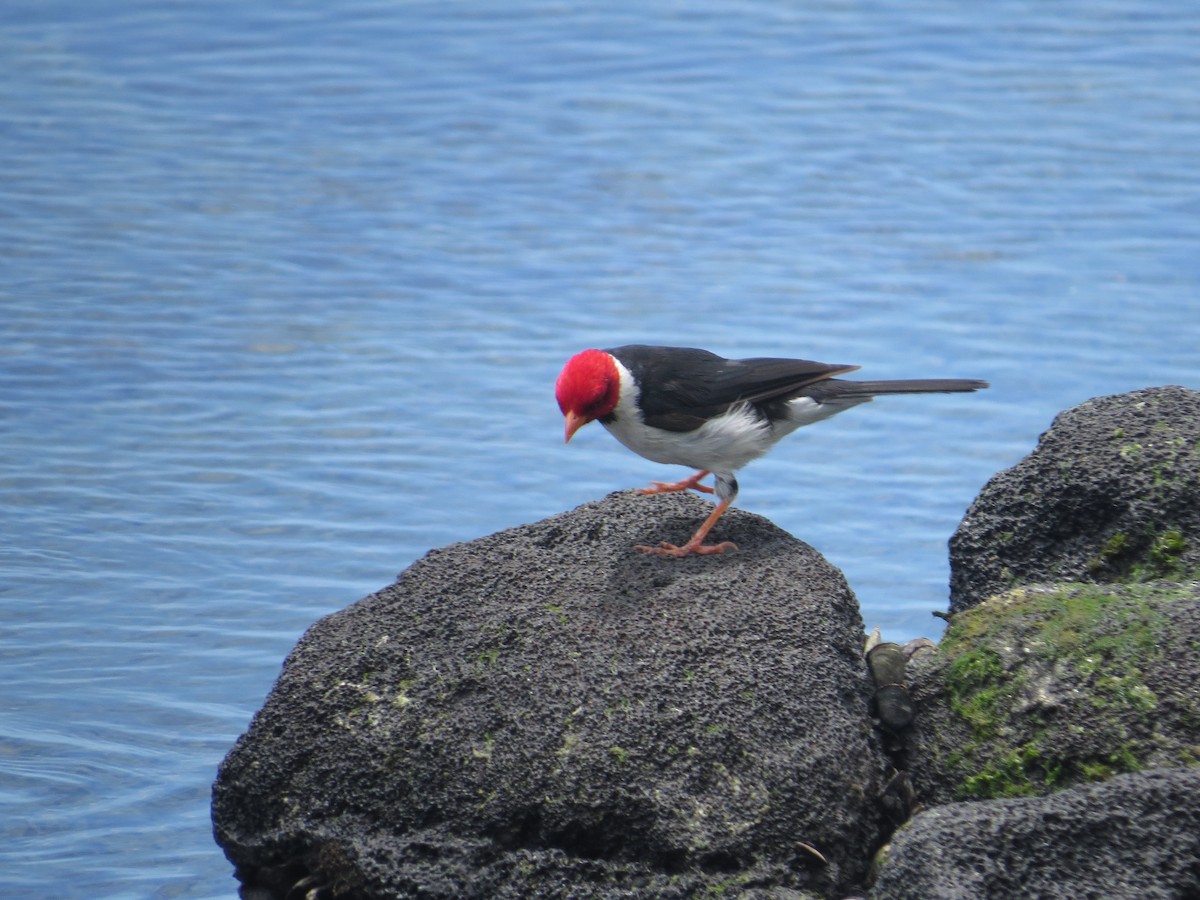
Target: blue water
(284, 290)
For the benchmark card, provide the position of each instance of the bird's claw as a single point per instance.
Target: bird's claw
(676, 552)
(666, 487)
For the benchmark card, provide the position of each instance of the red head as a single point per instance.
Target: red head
(587, 388)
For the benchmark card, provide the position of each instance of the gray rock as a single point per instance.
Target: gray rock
(1111, 493)
(545, 713)
(1136, 836)
(1050, 686)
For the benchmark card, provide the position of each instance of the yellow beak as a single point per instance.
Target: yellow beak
(574, 422)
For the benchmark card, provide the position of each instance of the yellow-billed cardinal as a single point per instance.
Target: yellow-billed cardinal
(689, 407)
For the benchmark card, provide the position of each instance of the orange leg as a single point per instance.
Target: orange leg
(692, 482)
(696, 544)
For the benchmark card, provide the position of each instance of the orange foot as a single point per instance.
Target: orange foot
(665, 549)
(692, 482)
(696, 543)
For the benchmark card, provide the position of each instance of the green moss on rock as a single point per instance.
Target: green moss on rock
(1048, 686)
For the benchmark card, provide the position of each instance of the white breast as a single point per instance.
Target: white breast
(723, 444)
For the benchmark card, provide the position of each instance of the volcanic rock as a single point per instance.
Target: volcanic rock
(1136, 836)
(1111, 493)
(544, 712)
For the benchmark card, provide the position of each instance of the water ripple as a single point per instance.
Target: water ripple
(284, 291)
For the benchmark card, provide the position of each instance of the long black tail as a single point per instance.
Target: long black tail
(837, 389)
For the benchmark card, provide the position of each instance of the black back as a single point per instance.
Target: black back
(681, 387)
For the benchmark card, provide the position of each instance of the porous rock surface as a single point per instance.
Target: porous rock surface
(1062, 703)
(1049, 686)
(1111, 492)
(545, 713)
(1136, 836)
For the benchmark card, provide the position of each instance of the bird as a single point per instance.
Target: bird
(691, 407)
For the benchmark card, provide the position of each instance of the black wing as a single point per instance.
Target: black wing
(682, 387)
